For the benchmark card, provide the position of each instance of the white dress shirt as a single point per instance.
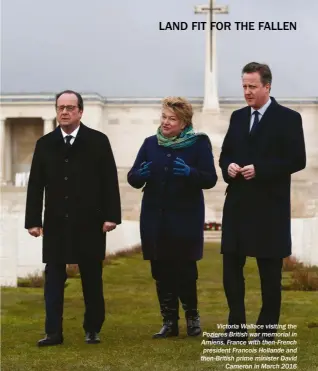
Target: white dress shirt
(261, 112)
(74, 133)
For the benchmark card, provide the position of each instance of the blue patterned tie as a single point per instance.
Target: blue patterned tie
(255, 122)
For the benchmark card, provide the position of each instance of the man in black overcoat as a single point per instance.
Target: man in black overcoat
(263, 146)
(75, 168)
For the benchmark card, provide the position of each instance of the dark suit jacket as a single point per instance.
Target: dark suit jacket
(172, 213)
(81, 193)
(256, 215)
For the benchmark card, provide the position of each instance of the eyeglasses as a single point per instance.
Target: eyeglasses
(68, 108)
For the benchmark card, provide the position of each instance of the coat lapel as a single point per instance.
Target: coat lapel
(244, 127)
(60, 142)
(266, 119)
(58, 138)
(80, 140)
(246, 120)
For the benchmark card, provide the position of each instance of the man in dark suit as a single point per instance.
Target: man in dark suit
(263, 146)
(75, 167)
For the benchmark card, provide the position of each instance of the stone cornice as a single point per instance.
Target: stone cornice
(32, 98)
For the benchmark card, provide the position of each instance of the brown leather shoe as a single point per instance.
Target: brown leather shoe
(51, 339)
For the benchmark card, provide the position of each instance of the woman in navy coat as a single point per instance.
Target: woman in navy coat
(172, 167)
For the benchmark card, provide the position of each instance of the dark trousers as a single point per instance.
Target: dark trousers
(92, 285)
(234, 286)
(175, 279)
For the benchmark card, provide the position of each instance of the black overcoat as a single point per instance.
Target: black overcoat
(172, 212)
(257, 212)
(81, 193)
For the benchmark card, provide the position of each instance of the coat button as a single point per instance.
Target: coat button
(66, 160)
(66, 215)
(169, 155)
(66, 197)
(66, 178)
(166, 168)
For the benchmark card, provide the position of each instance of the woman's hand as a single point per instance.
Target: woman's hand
(181, 168)
(144, 169)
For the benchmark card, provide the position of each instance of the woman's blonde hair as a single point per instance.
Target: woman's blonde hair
(181, 107)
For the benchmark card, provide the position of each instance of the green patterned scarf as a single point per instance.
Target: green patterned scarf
(185, 139)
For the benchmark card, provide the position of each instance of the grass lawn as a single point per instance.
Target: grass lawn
(133, 316)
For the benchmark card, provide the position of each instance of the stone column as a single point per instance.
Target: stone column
(7, 169)
(2, 150)
(48, 125)
(211, 99)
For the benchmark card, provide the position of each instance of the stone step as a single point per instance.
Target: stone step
(210, 236)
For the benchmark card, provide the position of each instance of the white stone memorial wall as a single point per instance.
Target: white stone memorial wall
(127, 124)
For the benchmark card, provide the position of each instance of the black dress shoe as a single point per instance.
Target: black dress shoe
(51, 339)
(92, 338)
(193, 326)
(169, 328)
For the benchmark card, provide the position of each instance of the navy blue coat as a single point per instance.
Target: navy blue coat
(256, 215)
(172, 212)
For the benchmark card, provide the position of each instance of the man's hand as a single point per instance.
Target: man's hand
(248, 172)
(108, 226)
(233, 170)
(36, 231)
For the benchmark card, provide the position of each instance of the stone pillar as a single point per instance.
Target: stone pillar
(2, 150)
(8, 154)
(48, 125)
(211, 99)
